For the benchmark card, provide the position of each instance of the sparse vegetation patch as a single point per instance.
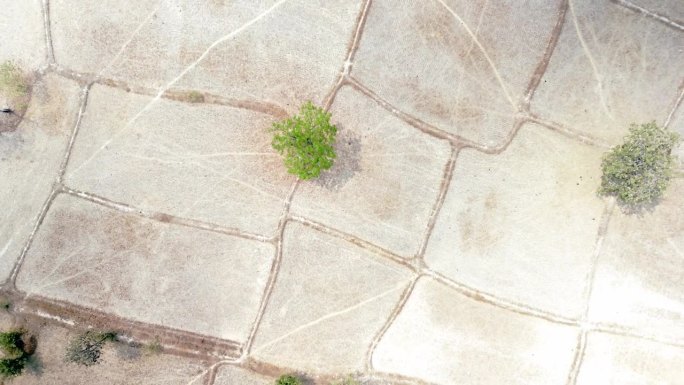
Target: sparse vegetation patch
(86, 348)
(14, 95)
(13, 84)
(153, 348)
(195, 97)
(349, 380)
(288, 379)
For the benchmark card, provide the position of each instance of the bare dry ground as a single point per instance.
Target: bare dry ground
(457, 240)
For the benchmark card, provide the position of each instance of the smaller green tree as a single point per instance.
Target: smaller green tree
(288, 379)
(11, 343)
(12, 367)
(86, 348)
(306, 141)
(638, 171)
(17, 346)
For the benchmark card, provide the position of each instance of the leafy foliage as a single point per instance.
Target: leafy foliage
(638, 171)
(86, 348)
(288, 379)
(11, 343)
(12, 367)
(16, 352)
(306, 141)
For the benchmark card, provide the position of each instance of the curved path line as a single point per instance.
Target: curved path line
(484, 53)
(329, 316)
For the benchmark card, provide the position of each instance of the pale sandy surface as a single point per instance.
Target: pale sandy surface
(457, 240)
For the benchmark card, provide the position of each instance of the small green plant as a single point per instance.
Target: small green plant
(12, 82)
(195, 97)
(86, 348)
(17, 346)
(306, 141)
(5, 303)
(638, 171)
(288, 379)
(154, 348)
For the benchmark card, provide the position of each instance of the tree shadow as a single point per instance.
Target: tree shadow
(347, 163)
(34, 365)
(305, 379)
(638, 210)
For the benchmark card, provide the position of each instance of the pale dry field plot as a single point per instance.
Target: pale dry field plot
(458, 239)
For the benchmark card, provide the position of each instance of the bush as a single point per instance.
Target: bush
(306, 141)
(17, 347)
(86, 348)
(288, 379)
(12, 367)
(11, 343)
(638, 171)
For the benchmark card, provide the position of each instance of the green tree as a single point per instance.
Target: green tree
(12, 367)
(288, 379)
(306, 141)
(86, 348)
(17, 346)
(638, 171)
(11, 343)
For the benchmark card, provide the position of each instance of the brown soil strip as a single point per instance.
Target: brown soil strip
(381, 378)
(625, 331)
(367, 378)
(544, 62)
(603, 228)
(431, 130)
(185, 96)
(443, 188)
(207, 98)
(351, 51)
(39, 220)
(273, 274)
(210, 377)
(74, 133)
(174, 341)
(411, 120)
(45, 7)
(569, 132)
(393, 316)
(163, 217)
(499, 302)
(354, 240)
(579, 357)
